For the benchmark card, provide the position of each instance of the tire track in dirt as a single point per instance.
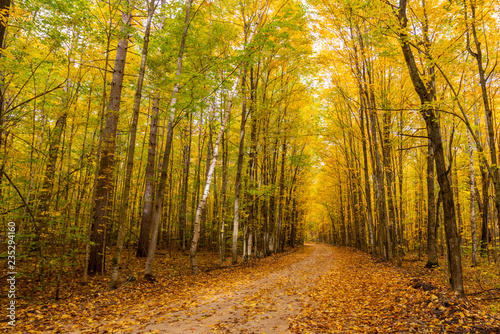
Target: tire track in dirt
(263, 306)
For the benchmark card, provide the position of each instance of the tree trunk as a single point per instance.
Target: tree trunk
(237, 181)
(434, 133)
(104, 184)
(432, 258)
(379, 185)
(488, 112)
(131, 151)
(279, 225)
(208, 182)
(160, 192)
(222, 237)
(147, 208)
(367, 178)
(252, 206)
(42, 211)
(5, 10)
(186, 160)
(389, 176)
(472, 202)
(203, 233)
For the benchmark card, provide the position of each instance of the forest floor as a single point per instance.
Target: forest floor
(313, 289)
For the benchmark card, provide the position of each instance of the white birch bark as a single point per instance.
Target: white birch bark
(206, 190)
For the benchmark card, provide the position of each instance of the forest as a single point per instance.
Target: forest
(154, 143)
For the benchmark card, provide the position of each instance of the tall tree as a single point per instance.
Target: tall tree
(116, 262)
(428, 113)
(104, 184)
(160, 192)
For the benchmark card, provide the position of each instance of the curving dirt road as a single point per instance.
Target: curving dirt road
(263, 306)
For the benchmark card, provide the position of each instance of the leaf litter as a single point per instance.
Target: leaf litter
(362, 295)
(315, 289)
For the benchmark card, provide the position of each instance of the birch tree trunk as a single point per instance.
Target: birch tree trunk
(202, 203)
(206, 190)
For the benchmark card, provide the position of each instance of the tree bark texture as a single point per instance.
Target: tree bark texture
(104, 185)
(160, 192)
(434, 133)
(122, 218)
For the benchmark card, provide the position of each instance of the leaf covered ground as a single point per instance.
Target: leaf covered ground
(92, 308)
(314, 289)
(364, 295)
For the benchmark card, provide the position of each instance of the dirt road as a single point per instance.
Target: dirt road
(319, 289)
(259, 307)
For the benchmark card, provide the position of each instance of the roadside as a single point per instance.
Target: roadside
(364, 295)
(316, 289)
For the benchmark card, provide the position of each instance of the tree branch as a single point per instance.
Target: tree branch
(19, 193)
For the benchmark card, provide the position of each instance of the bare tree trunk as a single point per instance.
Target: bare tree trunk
(186, 161)
(432, 258)
(104, 184)
(265, 182)
(147, 207)
(237, 182)
(488, 112)
(279, 227)
(345, 235)
(454, 178)
(196, 192)
(160, 193)
(472, 202)
(207, 167)
(98, 151)
(208, 182)
(122, 218)
(42, 211)
(379, 185)
(389, 176)
(252, 161)
(367, 179)
(222, 237)
(434, 133)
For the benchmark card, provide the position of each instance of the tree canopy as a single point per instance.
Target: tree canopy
(250, 127)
